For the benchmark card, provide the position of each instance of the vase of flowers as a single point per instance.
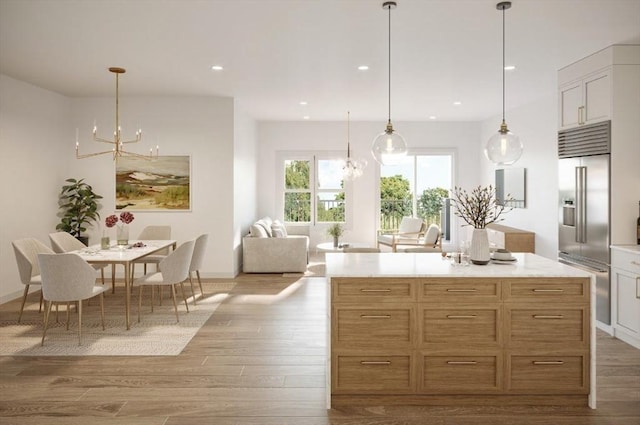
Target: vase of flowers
(478, 209)
(336, 230)
(122, 228)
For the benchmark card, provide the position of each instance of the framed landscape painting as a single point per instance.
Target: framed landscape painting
(159, 184)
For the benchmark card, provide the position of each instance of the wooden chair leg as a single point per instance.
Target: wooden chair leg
(102, 275)
(79, 322)
(200, 282)
(184, 296)
(24, 300)
(193, 293)
(175, 305)
(46, 322)
(140, 302)
(41, 298)
(68, 309)
(102, 308)
(113, 278)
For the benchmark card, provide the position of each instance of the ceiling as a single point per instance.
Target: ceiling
(277, 53)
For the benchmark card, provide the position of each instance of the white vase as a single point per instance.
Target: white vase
(479, 249)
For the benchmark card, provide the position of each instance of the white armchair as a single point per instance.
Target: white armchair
(409, 233)
(432, 242)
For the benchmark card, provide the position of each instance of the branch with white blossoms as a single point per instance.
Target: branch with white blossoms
(479, 207)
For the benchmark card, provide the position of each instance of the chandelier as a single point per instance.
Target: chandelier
(504, 147)
(352, 168)
(118, 144)
(388, 147)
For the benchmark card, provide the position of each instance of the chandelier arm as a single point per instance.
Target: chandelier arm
(101, 140)
(89, 155)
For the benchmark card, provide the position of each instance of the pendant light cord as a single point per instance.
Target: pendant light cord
(348, 137)
(389, 97)
(503, 64)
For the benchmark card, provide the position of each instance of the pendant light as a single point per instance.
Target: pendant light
(504, 147)
(389, 147)
(352, 168)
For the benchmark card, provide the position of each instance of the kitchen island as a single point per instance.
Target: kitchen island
(412, 328)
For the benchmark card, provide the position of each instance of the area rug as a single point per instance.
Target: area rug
(157, 334)
(316, 267)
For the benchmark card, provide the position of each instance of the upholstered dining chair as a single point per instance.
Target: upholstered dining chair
(173, 270)
(410, 231)
(62, 242)
(68, 278)
(196, 263)
(151, 233)
(26, 251)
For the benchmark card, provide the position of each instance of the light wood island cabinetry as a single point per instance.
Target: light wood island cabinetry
(429, 332)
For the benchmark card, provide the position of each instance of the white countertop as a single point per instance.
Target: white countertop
(634, 249)
(433, 264)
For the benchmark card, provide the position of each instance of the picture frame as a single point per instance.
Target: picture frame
(161, 183)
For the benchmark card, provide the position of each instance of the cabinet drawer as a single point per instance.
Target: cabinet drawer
(546, 290)
(373, 326)
(372, 374)
(372, 290)
(625, 260)
(545, 324)
(472, 324)
(459, 290)
(549, 374)
(460, 374)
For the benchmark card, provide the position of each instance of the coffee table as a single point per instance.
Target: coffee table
(328, 246)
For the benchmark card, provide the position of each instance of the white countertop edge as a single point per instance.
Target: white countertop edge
(634, 249)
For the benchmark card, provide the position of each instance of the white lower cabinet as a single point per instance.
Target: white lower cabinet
(625, 285)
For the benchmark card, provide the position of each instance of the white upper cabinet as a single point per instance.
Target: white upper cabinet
(585, 101)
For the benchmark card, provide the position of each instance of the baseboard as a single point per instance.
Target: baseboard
(629, 339)
(604, 327)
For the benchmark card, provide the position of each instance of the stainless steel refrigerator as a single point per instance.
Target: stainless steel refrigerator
(584, 231)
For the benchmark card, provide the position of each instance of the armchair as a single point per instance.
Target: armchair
(432, 242)
(409, 233)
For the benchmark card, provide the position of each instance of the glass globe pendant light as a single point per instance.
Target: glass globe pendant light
(352, 168)
(504, 147)
(389, 147)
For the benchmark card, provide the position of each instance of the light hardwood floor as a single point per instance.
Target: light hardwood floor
(260, 360)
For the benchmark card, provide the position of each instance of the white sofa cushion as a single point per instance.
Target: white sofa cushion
(265, 223)
(278, 230)
(258, 231)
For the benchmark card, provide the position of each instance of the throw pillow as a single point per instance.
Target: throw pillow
(278, 229)
(267, 227)
(258, 231)
(431, 238)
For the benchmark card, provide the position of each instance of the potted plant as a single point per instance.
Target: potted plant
(336, 230)
(79, 205)
(478, 209)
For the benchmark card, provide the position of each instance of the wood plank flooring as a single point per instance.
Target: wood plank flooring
(260, 360)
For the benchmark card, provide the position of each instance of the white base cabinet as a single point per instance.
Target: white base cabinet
(625, 291)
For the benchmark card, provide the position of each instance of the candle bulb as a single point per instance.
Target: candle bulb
(157, 149)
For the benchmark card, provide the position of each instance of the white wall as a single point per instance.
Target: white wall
(244, 180)
(33, 123)
(332, 136)
(536, 125)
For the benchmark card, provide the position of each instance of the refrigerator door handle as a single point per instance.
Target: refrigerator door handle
(581, 204)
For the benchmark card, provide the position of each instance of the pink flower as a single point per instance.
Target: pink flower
(126, 217)
(111, 220)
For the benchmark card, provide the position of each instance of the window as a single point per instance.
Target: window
(312, 188)
(418, 187)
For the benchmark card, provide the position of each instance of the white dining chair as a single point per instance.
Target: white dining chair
(173, 270)
(196, 263)
(68, 278)
(153, 233)
(26, 251)
(62, 242)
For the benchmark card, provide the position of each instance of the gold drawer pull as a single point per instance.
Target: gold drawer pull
(468, 316)
(462, 363)
(548, 290)
(385, 363)
(375, 290)
(372, 316)
(547, 316)
(462, 290)
(557, 362)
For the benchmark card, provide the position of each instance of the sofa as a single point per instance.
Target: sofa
(268, 248)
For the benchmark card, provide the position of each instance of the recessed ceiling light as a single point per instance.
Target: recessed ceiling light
(303, 103)
(363, 67)
(457, 103)
(432, 117)
(217, 67)
(306, 117)
(509, 67)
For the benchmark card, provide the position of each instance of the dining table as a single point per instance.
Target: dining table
(125, 255)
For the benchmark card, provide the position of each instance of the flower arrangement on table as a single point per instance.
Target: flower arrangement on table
(122, 229)
(480, 207)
